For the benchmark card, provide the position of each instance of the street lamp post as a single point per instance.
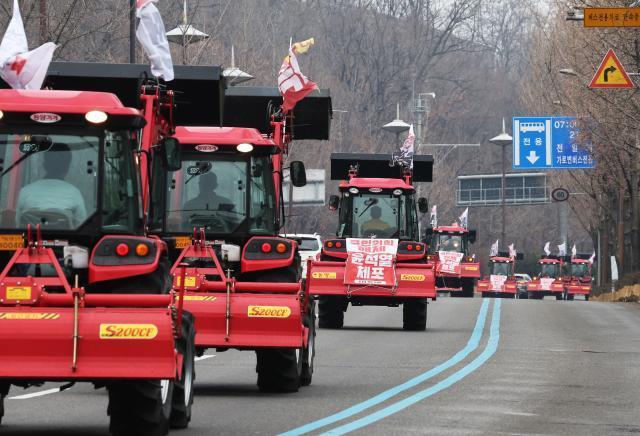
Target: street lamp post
(396, 126)
(185, 34)
(503, 140)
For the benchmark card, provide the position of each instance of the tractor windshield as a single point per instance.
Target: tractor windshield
(549, 270)
(51, 177)
(501, 268)
(380, 215)
(579, 269)
(221, 195)
(448, 242)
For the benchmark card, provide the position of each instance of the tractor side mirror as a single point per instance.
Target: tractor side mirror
(423, 205)
(298, 174)
(472, 236)
(334, 202)
(170, 150)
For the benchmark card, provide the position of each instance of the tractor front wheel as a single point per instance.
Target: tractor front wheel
(183, 389)
(468, 288)
(309, 353)
(279, 369)
(414, 315)
(4, 391)
(140, 407)
(330, 312)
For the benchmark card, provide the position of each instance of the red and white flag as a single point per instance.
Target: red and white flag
(293, 85)
(152, 36)
(19, 67)
(512, 251)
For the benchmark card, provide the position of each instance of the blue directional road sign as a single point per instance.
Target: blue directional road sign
(548, 142)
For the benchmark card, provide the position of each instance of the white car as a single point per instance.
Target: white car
(309, 246)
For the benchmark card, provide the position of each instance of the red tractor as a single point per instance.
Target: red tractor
(385, 196)
(456, 269)
(579, 280)
(221, 214)
(549, 279)
(501, 281)
(85, 292)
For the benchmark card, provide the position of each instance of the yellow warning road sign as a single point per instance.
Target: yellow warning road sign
(611, 74)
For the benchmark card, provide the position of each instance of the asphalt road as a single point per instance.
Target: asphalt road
(513, 367)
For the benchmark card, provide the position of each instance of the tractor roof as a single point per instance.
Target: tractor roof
(198, 90)
(220, 136)
(549, 260)
(250, 106)
(377, 166)
(365, 183)
(501, 259)
(450, 229)
(65, 102)
(584, 261)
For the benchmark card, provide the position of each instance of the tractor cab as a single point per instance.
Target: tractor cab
(579, 280)
(549, 280)
(378, 200)
(501, 266)
(450, 238)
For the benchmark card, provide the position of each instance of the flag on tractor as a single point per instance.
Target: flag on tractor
(574, 252)
(464, 218)
(152, 36)
(512, 251)
(494, 248)
(547, 250)
(404, 155)
(19, 67)
(562, 249)
(433, 219)
(592, 258)
(293, 85)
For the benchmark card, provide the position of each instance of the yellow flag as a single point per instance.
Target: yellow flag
(303, 46)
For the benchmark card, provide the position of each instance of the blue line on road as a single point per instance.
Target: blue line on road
(472, 344)
(490, 349)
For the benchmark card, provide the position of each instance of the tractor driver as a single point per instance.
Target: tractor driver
(375, 224)
(207, 198)
(52, 196)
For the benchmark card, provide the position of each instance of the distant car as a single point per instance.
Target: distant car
(521, 282)
(309, 245)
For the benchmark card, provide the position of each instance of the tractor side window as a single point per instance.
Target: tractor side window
(47, 178)
(262, 213)
(120, 208)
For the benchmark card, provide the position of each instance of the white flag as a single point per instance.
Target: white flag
(152, 36)
(464, 218)
(592, 258)
(512, 251)
(494, 248)
(562, 249)
(547, 250)
(574, 252)
(433, 219)
(19, 67)
(293, 85)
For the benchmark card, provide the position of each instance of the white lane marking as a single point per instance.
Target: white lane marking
(35, 394)
(204, 357)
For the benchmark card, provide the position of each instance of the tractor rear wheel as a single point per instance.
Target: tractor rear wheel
(279, 369)
(140, 407)
(183, 389)
(414, 314)
(560, 297)
(570, 297)
(586, 298)
(309, 353)
(330, 312)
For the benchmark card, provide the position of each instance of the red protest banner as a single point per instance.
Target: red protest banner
(371, 262)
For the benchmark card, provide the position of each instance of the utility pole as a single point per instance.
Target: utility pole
(132, 31)
(503, 140)
(44, 31)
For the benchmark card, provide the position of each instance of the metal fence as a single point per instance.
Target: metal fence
(493, 196)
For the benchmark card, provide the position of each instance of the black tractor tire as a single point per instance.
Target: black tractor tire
(487, 295)
(157, 282)
(569, 297)
(586, 298)
(468, 288)
(182, 398)
(309, 352)
(414, 315)
(139, 407)
(330, 312)
(4, 391)
(560, 297)
(279, 369)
